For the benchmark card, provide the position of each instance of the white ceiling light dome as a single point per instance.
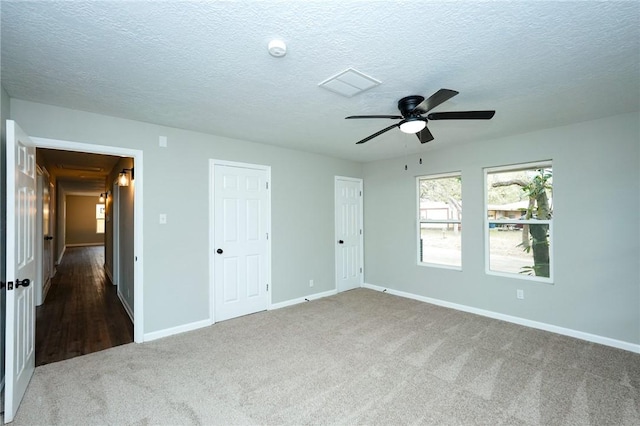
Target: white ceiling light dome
(413, 124)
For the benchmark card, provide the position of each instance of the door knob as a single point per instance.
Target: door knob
(340, 242)
(219, 251)
(23, 283)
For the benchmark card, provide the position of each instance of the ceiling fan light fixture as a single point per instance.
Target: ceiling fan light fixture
(412, 125)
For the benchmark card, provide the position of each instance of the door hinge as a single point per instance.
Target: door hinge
(10, 285)
(360, 270)
(267, 235)
(361, 193)
(267, 185)
(267, 287)
(361, 232)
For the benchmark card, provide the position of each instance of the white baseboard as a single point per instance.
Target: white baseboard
(109, 274)
(64, 248)
(176, 330)
(302, 299)
(627, 346)
(45, 289)
(126, 306)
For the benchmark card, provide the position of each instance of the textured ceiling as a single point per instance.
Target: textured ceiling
(204, 65)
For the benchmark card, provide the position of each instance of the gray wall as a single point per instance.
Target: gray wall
(80, 221)
(176, 273)
(596, 227)
(126, 233)
(4, 115)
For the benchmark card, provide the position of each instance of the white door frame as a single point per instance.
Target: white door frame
(115, 236)
(361, 223)
(41, 279)
(138, 274)
(212, 164)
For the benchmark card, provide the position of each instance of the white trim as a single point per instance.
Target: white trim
(518, 167)
(45, 289)
(64, 249)
(607, 341)
(154, 335)
(84, 245)
(138, 222)
(125, 305)
(216, 162)
(108, 272)
(309, 298)
(454, 173)
(360, 224)
(487, 248)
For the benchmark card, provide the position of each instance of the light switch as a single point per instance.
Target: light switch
(162, 141)
(163, 219)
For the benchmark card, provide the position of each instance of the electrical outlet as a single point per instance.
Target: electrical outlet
(310, 283)
(520, 294)
(162, 141)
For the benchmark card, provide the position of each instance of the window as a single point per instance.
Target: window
(519, 225)
(99, 218)
(439, 219)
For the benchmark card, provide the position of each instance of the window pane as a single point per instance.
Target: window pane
(515, 198)
(440, 200)
(512, 250)
(99, 226)
(508, 194)
(441, 244)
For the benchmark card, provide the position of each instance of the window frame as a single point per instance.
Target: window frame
(487, 222)
(420, 221)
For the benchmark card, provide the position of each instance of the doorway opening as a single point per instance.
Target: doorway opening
(127, 276)
(81, 238)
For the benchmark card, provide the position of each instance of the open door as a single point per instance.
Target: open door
(21, 267)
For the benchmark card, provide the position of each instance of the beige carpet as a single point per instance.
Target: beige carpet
(360, 357)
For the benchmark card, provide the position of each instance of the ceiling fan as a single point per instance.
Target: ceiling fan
(412, 109)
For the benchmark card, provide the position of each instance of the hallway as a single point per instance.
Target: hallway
(82, 313)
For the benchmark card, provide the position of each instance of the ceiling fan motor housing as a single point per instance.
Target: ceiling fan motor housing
(407, 104)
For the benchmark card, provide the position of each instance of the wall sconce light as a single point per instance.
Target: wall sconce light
(103, 197)
(123, 180)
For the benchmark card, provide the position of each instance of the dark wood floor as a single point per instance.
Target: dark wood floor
(81, 313)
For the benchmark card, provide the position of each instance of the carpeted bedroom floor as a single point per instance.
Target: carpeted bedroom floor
(360, 357)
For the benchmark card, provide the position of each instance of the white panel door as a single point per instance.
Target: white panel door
(21, 267)
(240, 249)
(348, 222)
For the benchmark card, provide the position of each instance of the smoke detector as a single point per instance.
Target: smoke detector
(277, 48)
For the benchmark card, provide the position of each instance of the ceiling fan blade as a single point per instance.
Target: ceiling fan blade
(377, 134)
(424, 135)
(434, 100)
(461, 115)
(397, 117)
